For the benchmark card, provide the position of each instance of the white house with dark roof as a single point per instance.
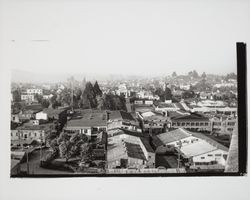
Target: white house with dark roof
(89, 123)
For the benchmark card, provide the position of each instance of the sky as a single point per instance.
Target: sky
(123, 37)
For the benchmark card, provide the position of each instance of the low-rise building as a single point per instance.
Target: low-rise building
(195, 148)
(34, 91)
(28, 97)
(89, 123)
(223, 125)
(29, 131)
(122, 119)
(192, 121)
(133, 138)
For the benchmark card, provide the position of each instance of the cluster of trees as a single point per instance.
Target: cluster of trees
(69, 146)
(194, 74)
(16, 94)
(231, 76)
(164, 94)
(92, 97)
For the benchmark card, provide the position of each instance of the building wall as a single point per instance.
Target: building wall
(27, 97)
(41, 115)
(199, 125)
(223, 127)
(185, 141)
(213, 156)
(34, 91)
(15, 118)
(28, 134)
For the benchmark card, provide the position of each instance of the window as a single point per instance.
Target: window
(11, 134)
(209, 155)
(202, 157)
(85, 130)
(29, 134)
(35, 134)
(197, 124)
(206, 124)
(218, 154)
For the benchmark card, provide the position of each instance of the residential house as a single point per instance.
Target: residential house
(89, 123)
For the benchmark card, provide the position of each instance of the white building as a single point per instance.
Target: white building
(197, 148)
(34, 91)
(27, 97)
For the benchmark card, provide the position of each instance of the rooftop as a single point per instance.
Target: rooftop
(173, 136)
(209, 140)
(89, 119)
(134, 151)
(52, 111)
(122, 115)
(191, 117)
(197, 148)
(29, 126)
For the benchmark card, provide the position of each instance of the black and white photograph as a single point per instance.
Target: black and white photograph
(124, 89)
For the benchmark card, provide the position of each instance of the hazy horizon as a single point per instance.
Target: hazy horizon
(146, 38)
(29, 76)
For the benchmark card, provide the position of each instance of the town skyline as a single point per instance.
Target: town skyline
(22, 76)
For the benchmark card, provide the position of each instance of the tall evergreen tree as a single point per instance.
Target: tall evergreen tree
(97, 89)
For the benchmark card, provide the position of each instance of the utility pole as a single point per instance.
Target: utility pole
(27, 160)
(179, 153)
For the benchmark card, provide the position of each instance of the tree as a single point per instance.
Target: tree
(188, 94)
(70, 146)
(100, 103)
(114, 102)
(164, 94)
(203, 75)
(231, 76)
(64, 150)
(168, 94)
(97, 89)
(16, 94)
(45, 103)
(195, 74)
(174, 75)
(89, 95)
(39, 98)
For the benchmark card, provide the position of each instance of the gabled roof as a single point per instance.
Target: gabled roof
(191, 117)
(134, 151)
(121, 131)
(34, 107)
(53, 112)
(122, 115)
(173, 136)
(210, 141)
